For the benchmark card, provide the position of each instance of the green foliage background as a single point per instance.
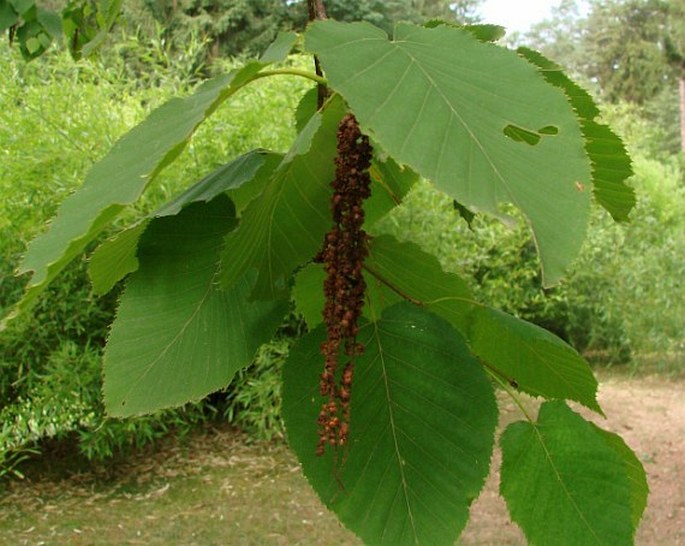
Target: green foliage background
(57, 118)
(623, 299)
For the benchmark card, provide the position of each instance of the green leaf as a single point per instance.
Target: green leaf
(120, 177)
(115, 258)
(243, 179)
(22, 6)
(308, 294)
(107, 14)
(611, 167)
(403, 268)
(563, 483)
(438, 100)
(421, 430)
(523, 354)
(611, 164)
(8, 17)
(639, 488)
(533, 359)
(52, 23)
(484, 33)
(306, 108)
(390, 183)
(177, 336)
(284, 227)
(279, 48)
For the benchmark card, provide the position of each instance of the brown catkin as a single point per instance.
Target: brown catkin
(344, 250)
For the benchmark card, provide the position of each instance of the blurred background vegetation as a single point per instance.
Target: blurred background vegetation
(623, 302)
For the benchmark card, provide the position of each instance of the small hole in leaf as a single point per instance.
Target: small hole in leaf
(519, 134)
(549, 130)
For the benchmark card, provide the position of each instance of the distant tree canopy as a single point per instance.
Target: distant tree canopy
(631, 50)
(236, 27)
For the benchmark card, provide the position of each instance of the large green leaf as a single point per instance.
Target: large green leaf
(563, 483)
(121, 176)
(421, 430)
(243, 178)
(178, 336)
(284, 227)
(531, 358)
(610, 161)
(454, 109)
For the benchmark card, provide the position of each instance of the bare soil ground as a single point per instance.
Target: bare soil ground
(218, 488)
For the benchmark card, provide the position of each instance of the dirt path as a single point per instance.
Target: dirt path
(218, 489)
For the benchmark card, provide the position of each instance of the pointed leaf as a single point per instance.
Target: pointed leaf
(639, 488)
(121, 176)
(563, 483)
(116, 257)
(439, 100)
(611, 164)
(403, 268)
(422, 419)
(611, 168)
(177, 336)
(280, 48)
(284, 227)
(533, 359)
(306, 108)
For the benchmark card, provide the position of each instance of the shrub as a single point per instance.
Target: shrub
(57, 117)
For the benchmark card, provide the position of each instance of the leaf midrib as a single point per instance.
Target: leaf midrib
(393, 429)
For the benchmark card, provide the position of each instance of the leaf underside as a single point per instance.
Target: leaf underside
(122, 175)
(611, 163)
(519, 352)
(564, 484)
(284, 227)
(242, 179)
(444, 114)
(178, 336)
(422, 424)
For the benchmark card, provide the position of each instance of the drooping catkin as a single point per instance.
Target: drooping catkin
(345, 248)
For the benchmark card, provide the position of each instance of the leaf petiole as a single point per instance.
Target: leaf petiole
(291, 72)
(512, 394)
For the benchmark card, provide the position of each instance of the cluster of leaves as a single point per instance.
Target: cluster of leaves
(51, 359)
(211, 274)
(84, 25)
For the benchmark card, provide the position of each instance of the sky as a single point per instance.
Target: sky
(516, 14)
